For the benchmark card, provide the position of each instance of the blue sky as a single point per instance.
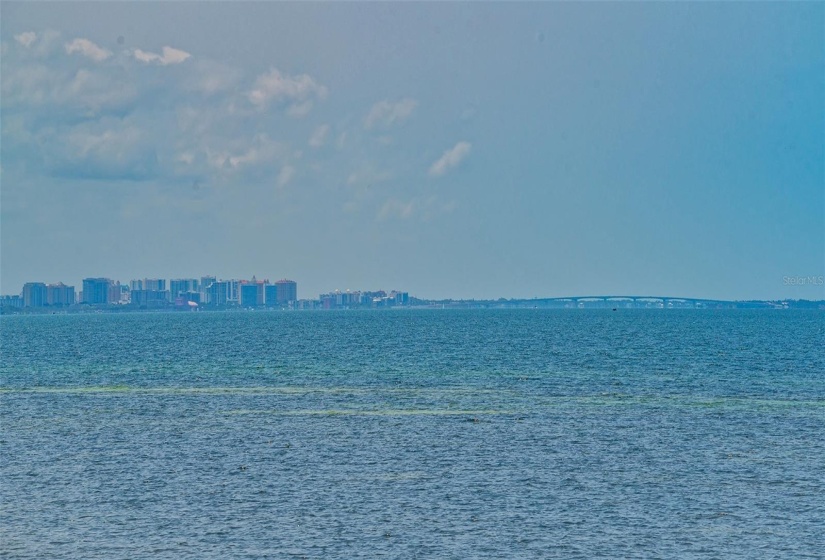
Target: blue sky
(448, 149)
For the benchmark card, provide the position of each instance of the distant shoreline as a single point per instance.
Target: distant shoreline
(575, 303)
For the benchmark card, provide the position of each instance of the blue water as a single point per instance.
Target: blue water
(414, 434)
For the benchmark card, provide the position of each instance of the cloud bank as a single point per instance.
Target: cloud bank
(77, 111)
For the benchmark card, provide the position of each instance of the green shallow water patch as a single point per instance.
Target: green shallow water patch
(69, 390)
(740, 403)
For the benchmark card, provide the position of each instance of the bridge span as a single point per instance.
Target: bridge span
(636, 301)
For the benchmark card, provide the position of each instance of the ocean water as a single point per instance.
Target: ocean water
(414, 434)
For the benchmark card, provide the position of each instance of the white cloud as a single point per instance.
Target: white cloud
(285, 176)
(40, 44)
(88, 49)
(26, 38)
(274, 86)
(450, 159)
(169, 56)
(386, 113)
(319, 137)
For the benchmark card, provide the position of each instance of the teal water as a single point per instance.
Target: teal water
(414, 434)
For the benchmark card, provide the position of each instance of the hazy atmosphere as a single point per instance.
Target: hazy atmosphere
(447, 149)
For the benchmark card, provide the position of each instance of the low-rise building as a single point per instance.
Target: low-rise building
(15, 301)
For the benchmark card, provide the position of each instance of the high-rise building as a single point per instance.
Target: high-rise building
(249, 294)
(180, 285)
(218, 292)
(60, 294)
(206, 282)
(34, 294)
(271, 295)
(97, 290)
(287, 291)
(154, 284)
(253, 292)
(116, 292)
(233, 292)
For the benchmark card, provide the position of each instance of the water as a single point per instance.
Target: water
(414, 434)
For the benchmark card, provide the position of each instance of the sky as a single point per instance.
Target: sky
(451, 150)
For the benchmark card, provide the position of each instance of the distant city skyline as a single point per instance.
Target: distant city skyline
(454, 150)
(253, 292)
(101, 293)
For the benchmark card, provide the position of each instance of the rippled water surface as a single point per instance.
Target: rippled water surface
(414, 434)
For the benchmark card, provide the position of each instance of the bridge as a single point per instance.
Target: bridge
(640, 300)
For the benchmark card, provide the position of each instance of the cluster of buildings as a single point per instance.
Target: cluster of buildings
(351, 300)
(153, 293)
(193, 293)
(38, 294)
